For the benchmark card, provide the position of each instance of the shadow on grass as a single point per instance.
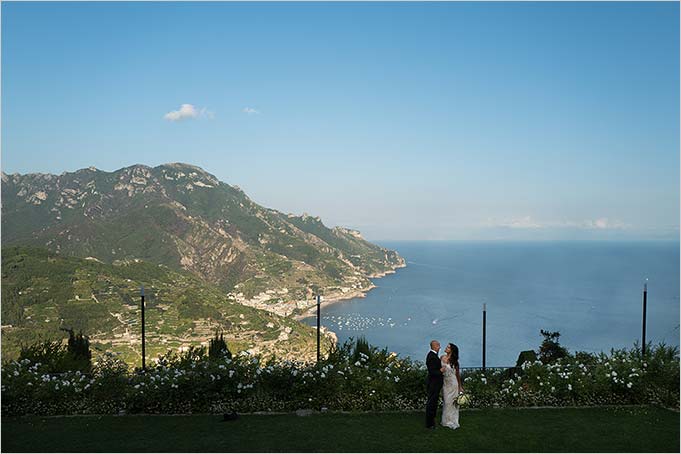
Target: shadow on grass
(616, 429)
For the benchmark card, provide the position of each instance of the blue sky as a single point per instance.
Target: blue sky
(403, 120)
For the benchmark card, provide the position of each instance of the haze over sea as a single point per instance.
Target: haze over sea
(591, 292)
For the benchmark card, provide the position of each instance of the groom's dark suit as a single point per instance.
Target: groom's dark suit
(434, 386)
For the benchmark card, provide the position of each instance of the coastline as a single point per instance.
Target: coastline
(335, 299)
(312, 310)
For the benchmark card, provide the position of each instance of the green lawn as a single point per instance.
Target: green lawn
(634, 429)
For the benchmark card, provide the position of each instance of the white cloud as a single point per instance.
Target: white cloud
(250, 111)
(527, 222)
(604, 223)
(188, 111)
(205, 113)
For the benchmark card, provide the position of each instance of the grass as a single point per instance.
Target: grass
(614, 429)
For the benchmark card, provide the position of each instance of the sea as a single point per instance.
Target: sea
(590, 292)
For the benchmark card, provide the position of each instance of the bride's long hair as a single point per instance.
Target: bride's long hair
(454, 356)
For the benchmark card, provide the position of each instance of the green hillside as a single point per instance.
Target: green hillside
(43, 291)
(180, 216)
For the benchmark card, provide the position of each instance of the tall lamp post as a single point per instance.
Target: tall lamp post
(144, 365)
(319, 301)
(484, 334)
(645, 303)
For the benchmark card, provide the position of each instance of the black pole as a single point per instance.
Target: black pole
(144, 365)
(643, 337)
(319, 299)
(484, 334)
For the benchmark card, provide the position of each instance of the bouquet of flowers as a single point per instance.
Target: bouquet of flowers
(463, 399)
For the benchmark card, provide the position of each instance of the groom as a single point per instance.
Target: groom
(434, 383)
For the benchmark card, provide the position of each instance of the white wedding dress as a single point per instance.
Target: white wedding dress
(450, 391)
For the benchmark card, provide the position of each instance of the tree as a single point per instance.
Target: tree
(361, 347)
(217, 347)
(78, 351)
(550, 350)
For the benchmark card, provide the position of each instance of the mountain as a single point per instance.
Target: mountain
(180, 216)
(43, 291)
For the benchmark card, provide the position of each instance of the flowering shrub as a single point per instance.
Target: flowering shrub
(57, 357)
(583, 379)
(361, 380)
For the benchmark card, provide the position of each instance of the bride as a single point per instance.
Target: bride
(452, 386)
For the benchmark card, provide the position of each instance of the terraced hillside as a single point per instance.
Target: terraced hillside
(43, 291)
